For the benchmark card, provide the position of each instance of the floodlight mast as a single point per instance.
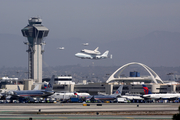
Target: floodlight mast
(35, 32)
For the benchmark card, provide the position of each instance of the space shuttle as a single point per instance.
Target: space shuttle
(92, 56)
(92, 52)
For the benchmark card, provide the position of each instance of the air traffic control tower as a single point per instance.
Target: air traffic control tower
(35, 32)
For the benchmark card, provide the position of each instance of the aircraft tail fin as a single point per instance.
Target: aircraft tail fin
(105, 54)
(18, 87)
(50, 85)
(75, 93)
(36, 87)
(45, 85)
(119, 90)
(146, 90)
(96, 49)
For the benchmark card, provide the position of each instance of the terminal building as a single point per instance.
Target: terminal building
(131, 84)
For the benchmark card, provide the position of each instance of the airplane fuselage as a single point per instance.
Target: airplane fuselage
(91, 56)
(67, 95)
(132, 97)
(101, 97)
(33, 93)
(162, 96)
(106, 97)
(85, 56)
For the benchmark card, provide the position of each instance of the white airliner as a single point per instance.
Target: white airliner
(92, 56)
(85, 44)
(67, 95)
(132, 97)
(93, 52)
(129, 96)
(60, 48)
(149, 95)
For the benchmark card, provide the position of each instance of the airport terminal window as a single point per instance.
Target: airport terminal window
(177, 88)
(89, 87)
(115, 88)
(58, 87)
(161, 88)
(136, 87)
(125, 88)
(56, 79)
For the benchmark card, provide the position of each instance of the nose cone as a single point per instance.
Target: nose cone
(77, 54)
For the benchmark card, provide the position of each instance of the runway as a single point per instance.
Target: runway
(77, 111)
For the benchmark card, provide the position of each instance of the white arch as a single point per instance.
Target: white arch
(154, 76)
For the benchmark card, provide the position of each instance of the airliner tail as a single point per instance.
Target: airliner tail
(119, 90)
(50, 85)
(146, 90)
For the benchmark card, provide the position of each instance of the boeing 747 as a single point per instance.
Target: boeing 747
(92, 56)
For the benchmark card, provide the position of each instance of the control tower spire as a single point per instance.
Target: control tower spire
(35, 32)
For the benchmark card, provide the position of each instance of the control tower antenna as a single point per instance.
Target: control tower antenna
(35, 32)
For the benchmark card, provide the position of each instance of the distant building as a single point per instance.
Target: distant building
(61, 80)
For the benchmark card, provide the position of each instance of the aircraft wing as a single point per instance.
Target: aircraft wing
(48, 92)
(146, 96)
(15, 97)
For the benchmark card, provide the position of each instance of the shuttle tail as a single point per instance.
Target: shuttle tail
(96, 49)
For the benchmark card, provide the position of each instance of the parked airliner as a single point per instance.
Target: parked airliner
(130, 96)
(106, 97)
(67, 95)
(169, 96)
(35, 92)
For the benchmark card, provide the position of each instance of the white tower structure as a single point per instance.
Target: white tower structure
(35, 32)
(153, 76)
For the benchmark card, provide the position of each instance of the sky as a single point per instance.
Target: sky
(90, 20)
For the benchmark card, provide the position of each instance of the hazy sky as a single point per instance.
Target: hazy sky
(103, 20)
(92, 20)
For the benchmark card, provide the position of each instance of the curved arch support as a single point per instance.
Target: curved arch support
(153, 75)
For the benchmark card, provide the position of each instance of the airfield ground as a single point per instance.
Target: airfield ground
(81, 111)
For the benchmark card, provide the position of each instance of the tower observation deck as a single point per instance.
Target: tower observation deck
(35, 32)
